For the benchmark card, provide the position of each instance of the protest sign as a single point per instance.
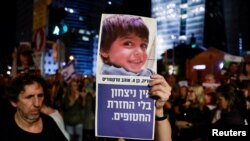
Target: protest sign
(126, 59)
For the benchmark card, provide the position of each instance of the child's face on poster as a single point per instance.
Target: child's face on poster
(128, 52)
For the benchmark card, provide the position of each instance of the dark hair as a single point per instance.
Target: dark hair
(119, 26)
(229, 92)
(18, 84)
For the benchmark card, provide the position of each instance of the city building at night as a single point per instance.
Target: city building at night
(222, 24)
(177, 20)
(81, 32)
(219, 24)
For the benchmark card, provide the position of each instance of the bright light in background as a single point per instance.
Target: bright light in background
(85, 38)
(173, 37)
(109, 2)
(8, 72)
(88, 32)
(184, 16)
(184, 5)
(172, 70)
(71, 57)
(65, 28)
(70, 10)
(63, 63)
(171, 10)
(9, 67)
(161, 45)
(183, 37)
(221, 65)
(81, 31)
(81, 18)
(199, 67)
(56, 30)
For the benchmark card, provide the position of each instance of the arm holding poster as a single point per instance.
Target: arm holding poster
(161, 90)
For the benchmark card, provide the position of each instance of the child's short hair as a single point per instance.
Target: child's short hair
(121, 25)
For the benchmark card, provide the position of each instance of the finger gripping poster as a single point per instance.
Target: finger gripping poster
(126, 59)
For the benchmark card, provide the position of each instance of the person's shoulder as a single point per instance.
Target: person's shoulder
(47, 119)
(50, 126)
(7, 128)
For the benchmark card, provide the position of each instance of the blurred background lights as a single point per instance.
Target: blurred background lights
(199, 67)
(221, 65)
(71, 58)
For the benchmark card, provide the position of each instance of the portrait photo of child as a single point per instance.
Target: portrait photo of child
(127, 45)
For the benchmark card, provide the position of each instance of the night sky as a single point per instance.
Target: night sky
(7, 39)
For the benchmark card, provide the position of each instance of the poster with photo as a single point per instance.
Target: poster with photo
(231, 58)
(126, 59)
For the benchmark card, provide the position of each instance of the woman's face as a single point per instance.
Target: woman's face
(128, 52)
(191, 95)
(74, 86)
(208, 99)
(222, 102)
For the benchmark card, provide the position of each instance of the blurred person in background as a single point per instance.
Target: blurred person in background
(48, 109)
(57, 91)
(210, 84)
(72, 106)
(245, 73)
(22, 60)
(230, 109)
(193, 118)
(232, 74)
(88, 88)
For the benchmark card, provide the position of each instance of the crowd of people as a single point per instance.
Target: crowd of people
(216, 102)
(50, 108)
(34, 107)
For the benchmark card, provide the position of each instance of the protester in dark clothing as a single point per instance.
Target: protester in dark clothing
(229, 106)
(193, 117)
(50, 131)
(28, 123)
(231, 75)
